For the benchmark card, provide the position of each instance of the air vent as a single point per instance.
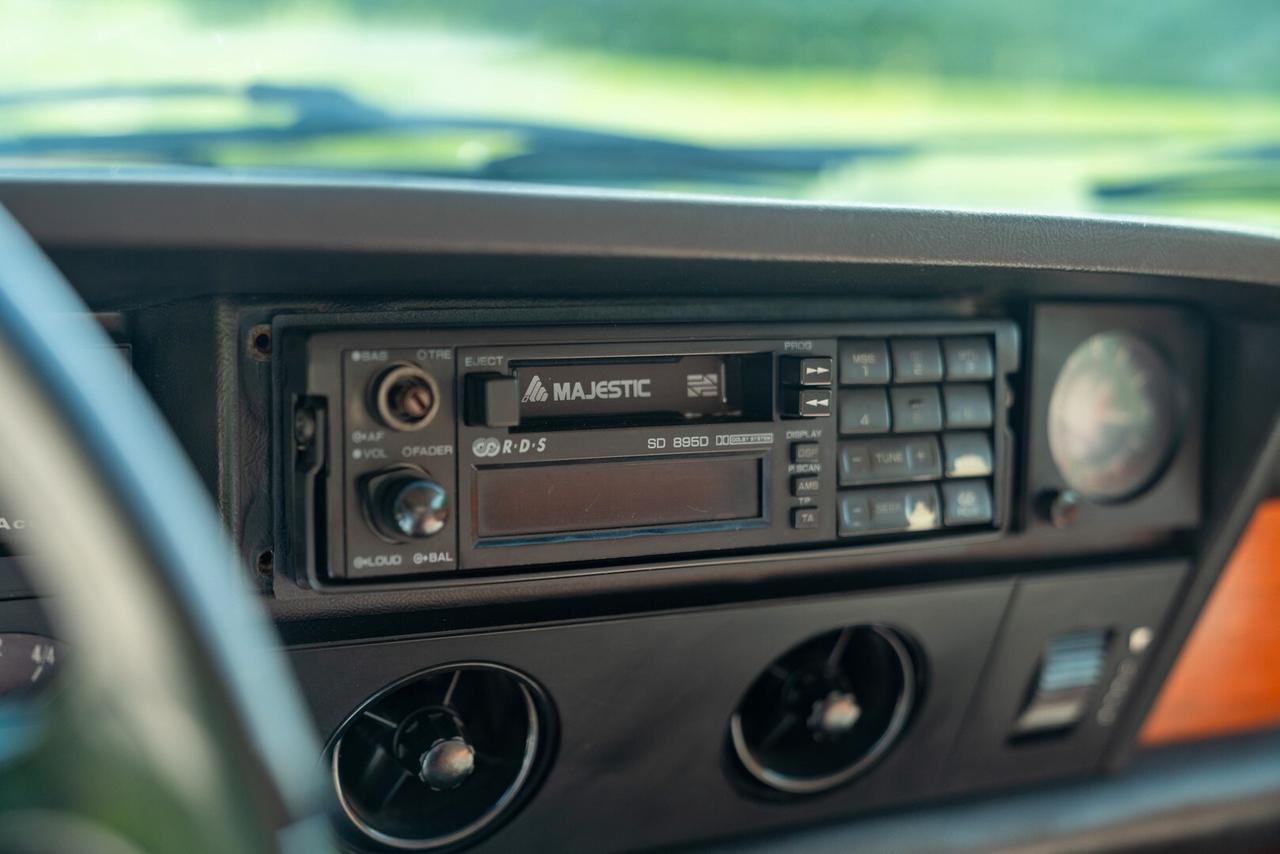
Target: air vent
(439, 758)
(825, 711)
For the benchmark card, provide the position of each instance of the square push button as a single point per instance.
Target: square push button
(803, 485)
(809, 371)
(805, 518)
(916, 360)
(864, 361)
(855, 463)
(967, 454)
(915, 409)
(864, 410)
(967, 405)
(805, 452)
(807, 403)
(855, 513)
(968, 358)
(494, 400)
(966, 502)
(926, 464)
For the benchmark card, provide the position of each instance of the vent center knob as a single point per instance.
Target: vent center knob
(447, 764)
(835, 714)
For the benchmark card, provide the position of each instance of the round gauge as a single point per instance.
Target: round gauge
(1114, 416)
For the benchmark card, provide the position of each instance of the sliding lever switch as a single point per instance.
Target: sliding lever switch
(1071, 666)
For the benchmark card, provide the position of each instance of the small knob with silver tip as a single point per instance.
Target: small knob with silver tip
(835, 714)
(1060, 508)
(447, 764)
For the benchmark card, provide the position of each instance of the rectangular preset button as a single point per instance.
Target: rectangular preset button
(864, 361)
(864, 410)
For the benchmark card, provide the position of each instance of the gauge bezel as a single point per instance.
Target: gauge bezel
(1178, 412)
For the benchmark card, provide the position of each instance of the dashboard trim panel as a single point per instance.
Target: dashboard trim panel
(442, 216)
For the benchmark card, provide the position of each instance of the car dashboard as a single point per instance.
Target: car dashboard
(612, 521)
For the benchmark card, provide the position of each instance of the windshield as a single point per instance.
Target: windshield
(1058, 106)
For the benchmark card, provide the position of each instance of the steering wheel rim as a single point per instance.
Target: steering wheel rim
(179, 725)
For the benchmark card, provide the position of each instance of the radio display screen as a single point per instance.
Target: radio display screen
(515, 501)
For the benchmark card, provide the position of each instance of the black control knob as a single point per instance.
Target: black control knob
(1060, 508)
(406, 504)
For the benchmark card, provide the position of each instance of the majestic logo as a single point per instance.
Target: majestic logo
(536, 392)
(600, 390)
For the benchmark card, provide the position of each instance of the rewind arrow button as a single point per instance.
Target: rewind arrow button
(808, 403)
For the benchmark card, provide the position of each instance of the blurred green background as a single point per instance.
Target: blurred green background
(1168, 108)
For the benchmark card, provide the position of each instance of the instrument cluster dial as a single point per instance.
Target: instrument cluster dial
(1115, 417)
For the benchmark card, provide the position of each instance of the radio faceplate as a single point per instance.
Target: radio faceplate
(710, 412)
(428, 452)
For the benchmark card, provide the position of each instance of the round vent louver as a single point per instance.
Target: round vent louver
(439, 758)
(826, 710)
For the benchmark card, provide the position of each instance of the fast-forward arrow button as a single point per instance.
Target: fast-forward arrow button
(806, 371)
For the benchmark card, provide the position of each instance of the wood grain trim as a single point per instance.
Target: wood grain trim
(1227, 677)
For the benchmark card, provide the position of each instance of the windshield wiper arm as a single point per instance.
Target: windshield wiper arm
(548, 151)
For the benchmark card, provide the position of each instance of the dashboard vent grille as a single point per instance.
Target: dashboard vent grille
(438, 758)
(826, 710)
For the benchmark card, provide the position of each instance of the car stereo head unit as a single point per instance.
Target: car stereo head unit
(415, 452)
